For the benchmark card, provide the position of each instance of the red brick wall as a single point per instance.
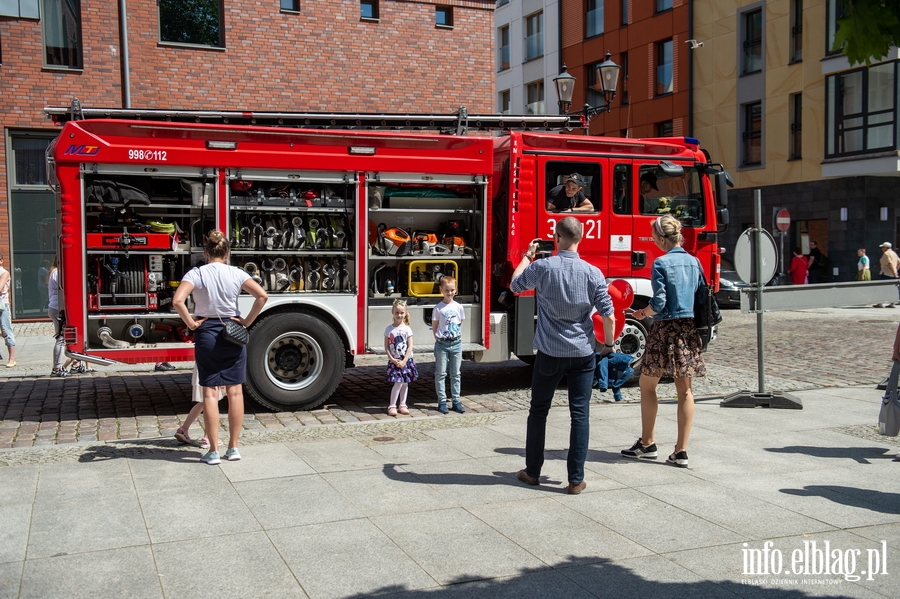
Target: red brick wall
(323, 58)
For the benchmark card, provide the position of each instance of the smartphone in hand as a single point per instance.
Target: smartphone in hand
(545, 247)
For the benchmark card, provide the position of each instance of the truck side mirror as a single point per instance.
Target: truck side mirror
(720, 183)
(722, 219)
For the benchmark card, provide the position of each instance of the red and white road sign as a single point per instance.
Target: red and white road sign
(783, 220)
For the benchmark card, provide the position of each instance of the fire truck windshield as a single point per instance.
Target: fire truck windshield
(681, 196)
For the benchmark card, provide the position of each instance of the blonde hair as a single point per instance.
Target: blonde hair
(447, 279)
(668, 227)
(217, 245)
(402, 302)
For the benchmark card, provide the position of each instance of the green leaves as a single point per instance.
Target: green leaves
(868, 30)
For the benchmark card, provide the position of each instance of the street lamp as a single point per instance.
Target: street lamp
(607, 75)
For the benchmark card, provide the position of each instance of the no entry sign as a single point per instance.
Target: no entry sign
(783, 220)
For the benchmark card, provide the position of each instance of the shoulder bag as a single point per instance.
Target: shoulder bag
(234, 332)
(889, 415)
(706, 308)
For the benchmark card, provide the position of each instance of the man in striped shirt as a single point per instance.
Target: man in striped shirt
(567, 289)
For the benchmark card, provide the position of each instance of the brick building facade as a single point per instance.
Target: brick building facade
(266, 55)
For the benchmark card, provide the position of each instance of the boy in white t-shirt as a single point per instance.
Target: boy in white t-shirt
(446, 324)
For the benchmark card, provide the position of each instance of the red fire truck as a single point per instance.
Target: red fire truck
(336, 216)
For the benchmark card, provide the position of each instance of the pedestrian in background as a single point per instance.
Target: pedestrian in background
(59, 348)
(6, 315)
(799, 267)
(568, 290)
(216, 287)
(863, 271)
(817, 262)
(673, 345)
(889, 264)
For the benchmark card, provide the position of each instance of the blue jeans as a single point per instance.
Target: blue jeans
(548, 371)
(447, 358)
(6, 326)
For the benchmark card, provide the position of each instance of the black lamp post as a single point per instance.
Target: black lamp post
(607, 75)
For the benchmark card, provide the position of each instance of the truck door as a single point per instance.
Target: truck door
(624, 257)
(590, 204)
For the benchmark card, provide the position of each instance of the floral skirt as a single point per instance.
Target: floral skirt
(674, 349)
(402, 375)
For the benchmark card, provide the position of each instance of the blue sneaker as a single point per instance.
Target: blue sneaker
(458, 407)
(211, 458)
(442, 407)
(232, 455)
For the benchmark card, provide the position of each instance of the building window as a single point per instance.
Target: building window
(368, 9)
(504, 102)
(861, 111)
(291, 5)
(534, 98)
(503, 47)
(834, 10)
(197, 22)
(664, 129)
(501, 3)
(61, 23)
(752, 41)
(796, 30)
(534, 32)
(625, 11)
(662, 5)
(795, 140)
(443, 16)
(751, 136)
(594, 18)
(664, 68)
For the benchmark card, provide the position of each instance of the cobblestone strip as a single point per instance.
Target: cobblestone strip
(373, 433)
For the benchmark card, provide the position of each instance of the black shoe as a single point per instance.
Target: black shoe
(638, 450)
(882, 386)
(59, 373)
(678, 459)
(164, 367)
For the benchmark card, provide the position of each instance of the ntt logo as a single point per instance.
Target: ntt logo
(82, 150)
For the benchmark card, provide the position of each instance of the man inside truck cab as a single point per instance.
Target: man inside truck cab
(648, 186)
(568, 197)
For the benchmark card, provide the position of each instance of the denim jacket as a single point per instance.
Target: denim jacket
(674, 280)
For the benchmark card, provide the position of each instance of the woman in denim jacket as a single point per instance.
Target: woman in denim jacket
(673, 345)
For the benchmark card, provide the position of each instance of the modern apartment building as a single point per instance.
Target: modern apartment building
(791, 117)
(258, 55)
(526, 39)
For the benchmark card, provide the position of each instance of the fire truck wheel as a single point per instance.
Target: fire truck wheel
(633, 341)
(294, 361)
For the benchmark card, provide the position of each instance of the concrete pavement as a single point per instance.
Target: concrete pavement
(430, 507)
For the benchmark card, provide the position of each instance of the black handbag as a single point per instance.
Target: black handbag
(233, 331)
(706, 308)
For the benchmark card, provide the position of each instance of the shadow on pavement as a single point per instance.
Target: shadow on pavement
(876, 501)
(168, 450)
(452, 478)
(861, 454)
(598, 577)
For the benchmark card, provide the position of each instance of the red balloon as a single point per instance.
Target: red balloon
(598, 325)
(622, 294)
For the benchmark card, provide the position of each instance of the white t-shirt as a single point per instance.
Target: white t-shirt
(216, 289)
(53, 290)
(398, 340)
(5, 290)
(449, 318)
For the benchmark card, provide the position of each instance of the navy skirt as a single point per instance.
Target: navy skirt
(219, 362)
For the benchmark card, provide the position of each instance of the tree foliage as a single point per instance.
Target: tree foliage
(868, 30)
(191, 22)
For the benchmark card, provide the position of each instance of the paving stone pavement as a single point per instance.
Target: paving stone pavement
(804, 350)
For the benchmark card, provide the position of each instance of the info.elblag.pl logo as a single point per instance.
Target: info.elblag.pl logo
(817, 559)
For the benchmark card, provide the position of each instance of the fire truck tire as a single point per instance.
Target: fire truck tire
(294, 361)
(633, 341)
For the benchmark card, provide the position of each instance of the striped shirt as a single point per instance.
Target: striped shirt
(567, 289)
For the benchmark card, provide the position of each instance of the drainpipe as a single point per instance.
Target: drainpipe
(690, 131)
(126, 66)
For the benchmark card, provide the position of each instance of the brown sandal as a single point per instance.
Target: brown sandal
(392, 411)
(404, 410)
